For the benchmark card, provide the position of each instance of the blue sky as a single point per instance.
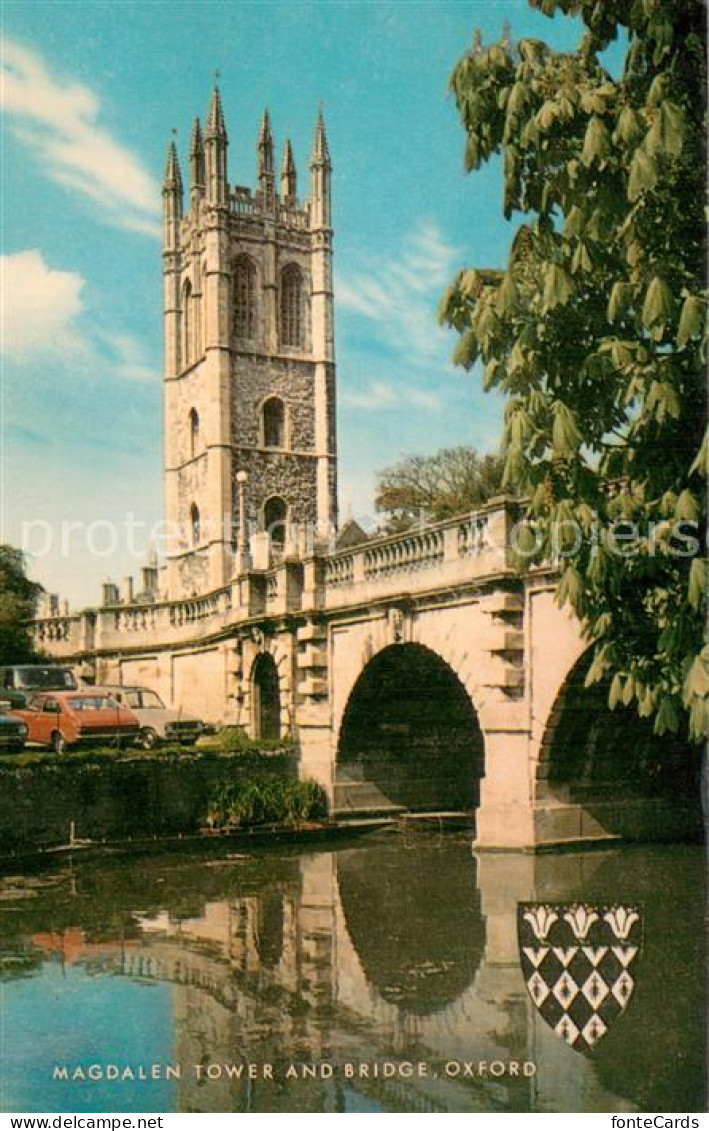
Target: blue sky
(92, 91)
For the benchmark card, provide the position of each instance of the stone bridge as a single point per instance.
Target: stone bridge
(416, 672)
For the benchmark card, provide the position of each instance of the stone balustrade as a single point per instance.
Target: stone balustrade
(459, 551)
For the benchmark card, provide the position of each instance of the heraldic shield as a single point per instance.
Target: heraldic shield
(578, 962)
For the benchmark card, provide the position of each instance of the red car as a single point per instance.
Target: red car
(62, 719)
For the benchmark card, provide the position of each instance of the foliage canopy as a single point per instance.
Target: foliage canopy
(596, 329)
(436, 487)
(18, 602)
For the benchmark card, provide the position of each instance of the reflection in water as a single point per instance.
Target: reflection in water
(387, 952)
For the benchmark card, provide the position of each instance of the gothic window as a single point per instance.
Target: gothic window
(274, 420)
(195, 524)
(274, 519)
(244, 299)
(194, 432)
(292, 307)
(187, 327)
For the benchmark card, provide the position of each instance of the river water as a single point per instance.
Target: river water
(380, 973)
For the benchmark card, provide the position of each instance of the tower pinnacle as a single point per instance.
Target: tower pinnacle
(173, 177)
(289, 182)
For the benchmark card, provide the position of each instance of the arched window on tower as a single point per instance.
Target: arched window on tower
(291, 307)
(275, 514)
(187, 328)
(195, 524)
(274, 423)
(194, 432)
(244, 299)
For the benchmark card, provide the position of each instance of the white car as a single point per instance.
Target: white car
(157, 722)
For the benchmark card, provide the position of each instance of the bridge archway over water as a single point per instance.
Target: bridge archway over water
(410, 729)
(591, 755)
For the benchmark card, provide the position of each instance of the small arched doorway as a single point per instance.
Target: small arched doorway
(266, 698)
(410, 729)
(275, 518)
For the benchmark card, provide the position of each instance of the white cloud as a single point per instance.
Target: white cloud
(399, 297)
(41, 318)
(380, 395)
(59, 121)
(38, 304)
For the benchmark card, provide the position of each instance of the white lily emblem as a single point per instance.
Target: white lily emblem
(580, 919)
(542, 920)
(621, 920)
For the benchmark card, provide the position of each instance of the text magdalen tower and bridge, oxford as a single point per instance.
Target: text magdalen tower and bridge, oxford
(418, 671)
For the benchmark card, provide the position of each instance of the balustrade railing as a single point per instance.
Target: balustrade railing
(456, 551)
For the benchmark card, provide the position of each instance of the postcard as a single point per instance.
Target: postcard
(352, 691)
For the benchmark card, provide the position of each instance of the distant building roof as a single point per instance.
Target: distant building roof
(349, 535)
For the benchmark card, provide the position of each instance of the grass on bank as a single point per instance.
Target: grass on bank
(226, 741)
(273, 801)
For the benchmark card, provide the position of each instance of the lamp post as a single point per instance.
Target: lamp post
(243, 561)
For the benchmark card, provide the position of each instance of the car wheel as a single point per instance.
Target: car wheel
(147, 739)
(59, 743)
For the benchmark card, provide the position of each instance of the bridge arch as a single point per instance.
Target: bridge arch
(590, 754)
(410, 729)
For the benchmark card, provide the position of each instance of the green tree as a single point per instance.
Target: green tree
(596, 329)
(432, 488)
(18, 602)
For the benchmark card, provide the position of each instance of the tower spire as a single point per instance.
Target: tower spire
(266, 174)
(321, 176)
(215, 120)
(172, 182)
(289, 179)
(197, 162)
(215, 147)
(321, 149)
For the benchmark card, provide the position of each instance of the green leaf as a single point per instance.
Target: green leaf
(621, 296)
(597, 144)
(629, 129)
(657, 307)
(667, 717)
(687, 507)
(643, 175)
(697, 582)
(691, 322)
(581, 260)
(557, 287)
(466, 351)
(616, 691)
(566, 437)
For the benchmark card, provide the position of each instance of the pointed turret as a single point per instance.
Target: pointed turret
(215, 119)
(215, 147)
(172, 199)
(173, 177)
(197, 171)
(289, 177)
(321, 150)
(321, 170)
(266, 174)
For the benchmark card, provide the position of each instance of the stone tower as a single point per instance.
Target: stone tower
(249, 355)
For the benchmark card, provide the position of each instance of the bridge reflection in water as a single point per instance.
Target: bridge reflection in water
(400, 948)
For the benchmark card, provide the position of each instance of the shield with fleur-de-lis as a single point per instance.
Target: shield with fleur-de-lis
(578, 961)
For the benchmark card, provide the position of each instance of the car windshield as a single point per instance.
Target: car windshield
(150, 699)
(46, 679)
(93, 703)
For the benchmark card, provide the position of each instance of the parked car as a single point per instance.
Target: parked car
(17, 681)
(62, 719)
(157, 722)
(13, 732)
